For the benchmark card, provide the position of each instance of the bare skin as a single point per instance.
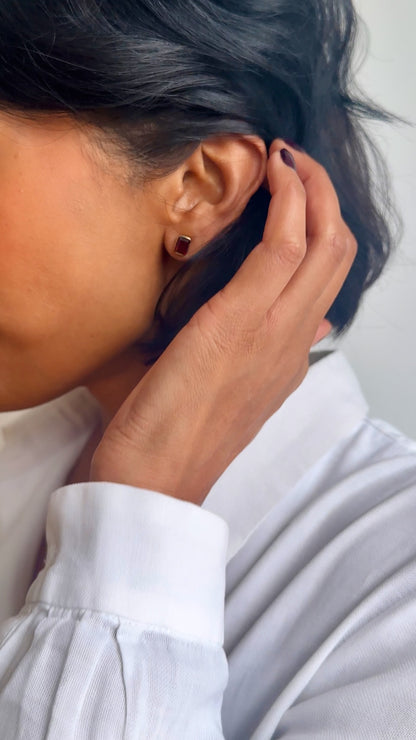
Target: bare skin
(242, 353)
(85, 254)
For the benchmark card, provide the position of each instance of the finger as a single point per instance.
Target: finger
(331, 245)
(309, 318)
(322, 204)
(331, 291)
(272, 263)
(321, 275)
(322, 331)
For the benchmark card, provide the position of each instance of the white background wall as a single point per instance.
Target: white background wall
(381, 344)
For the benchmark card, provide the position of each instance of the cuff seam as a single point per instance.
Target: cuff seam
(30, 606)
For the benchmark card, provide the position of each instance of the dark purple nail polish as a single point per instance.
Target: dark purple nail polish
(287, 158)
(294, 145)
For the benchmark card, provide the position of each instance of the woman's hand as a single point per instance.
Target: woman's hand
(242, 353)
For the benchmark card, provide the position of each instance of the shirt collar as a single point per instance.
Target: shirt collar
(323, 410)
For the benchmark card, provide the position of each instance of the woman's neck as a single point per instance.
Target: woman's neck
(113, 382)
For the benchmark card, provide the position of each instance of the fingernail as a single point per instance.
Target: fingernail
(287, 158)
(294, 145)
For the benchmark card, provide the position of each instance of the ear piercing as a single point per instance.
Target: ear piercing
(182, 245)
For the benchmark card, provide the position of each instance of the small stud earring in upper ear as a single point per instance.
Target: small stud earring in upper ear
(182, 245)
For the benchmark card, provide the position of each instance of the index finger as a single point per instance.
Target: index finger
(272, 263)
(331, 245)
(322, 204)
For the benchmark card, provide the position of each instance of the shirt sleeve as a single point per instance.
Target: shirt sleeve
(121, 634)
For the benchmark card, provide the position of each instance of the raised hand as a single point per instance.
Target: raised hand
(243, 352)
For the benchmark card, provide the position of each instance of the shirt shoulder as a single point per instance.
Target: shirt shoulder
(333, 624)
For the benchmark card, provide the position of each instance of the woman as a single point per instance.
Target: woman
(169, 258)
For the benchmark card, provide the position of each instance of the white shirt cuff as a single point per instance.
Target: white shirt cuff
(136, 553)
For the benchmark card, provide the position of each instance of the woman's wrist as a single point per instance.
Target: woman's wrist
(129, 467)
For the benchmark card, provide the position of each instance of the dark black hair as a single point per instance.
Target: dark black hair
(156, 77)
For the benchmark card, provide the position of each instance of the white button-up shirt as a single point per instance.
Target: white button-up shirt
(283, 607)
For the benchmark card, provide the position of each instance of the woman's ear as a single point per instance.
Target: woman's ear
(211, 189)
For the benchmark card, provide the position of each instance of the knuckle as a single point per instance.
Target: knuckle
(302, 373)
(299, 374)
(337, 245)
(210, 320)
(352, 245)
(225, 329)
(239, 342)
(291, 251)
(251, 343)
